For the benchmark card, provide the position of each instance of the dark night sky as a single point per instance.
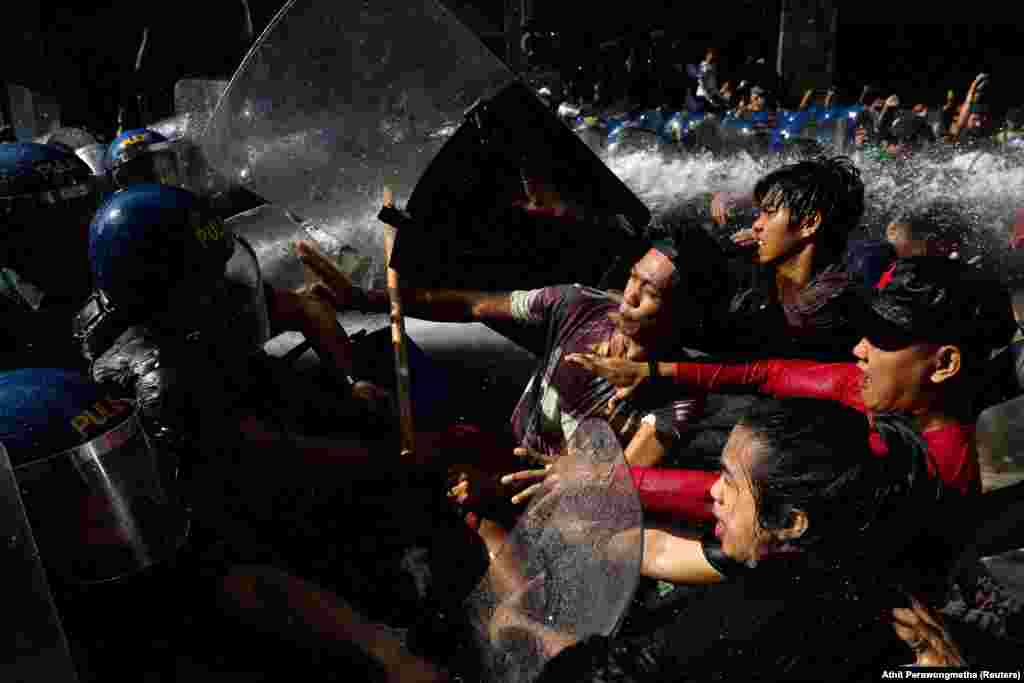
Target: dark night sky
(84, 51)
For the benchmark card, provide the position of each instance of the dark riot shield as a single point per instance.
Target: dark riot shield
(569, 568)
(36, 648)
(516, 200)
(338, 99)
(100, 510)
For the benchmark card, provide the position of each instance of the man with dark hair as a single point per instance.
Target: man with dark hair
(799, 304)
(938, 228)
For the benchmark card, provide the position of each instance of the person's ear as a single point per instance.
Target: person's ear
(796, 526)
(948, 360)
(810, 225)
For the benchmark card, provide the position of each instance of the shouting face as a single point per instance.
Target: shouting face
(734, 506)
(897, 381)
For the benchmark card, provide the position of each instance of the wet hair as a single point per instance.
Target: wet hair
(814, 456)
(701, 265)
(830, 185)
(941, 221)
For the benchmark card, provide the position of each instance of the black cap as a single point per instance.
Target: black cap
(941, 301)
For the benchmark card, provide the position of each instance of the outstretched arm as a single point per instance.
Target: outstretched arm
(781, 378)
(676, 558)
(443, 305)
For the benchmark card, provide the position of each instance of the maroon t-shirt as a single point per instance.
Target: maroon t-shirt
(576, 318)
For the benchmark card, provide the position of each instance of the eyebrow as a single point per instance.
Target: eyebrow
(643, 278)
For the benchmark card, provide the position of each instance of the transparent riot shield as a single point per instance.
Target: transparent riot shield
(32, 113)
(36, 648)
(194, 102)
(69, 136)
(335, 101)
(93, 155)
(100, 510)
(569, 568)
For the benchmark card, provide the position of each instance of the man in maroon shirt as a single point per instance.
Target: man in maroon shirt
(670, 292)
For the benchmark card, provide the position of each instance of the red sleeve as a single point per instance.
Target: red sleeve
(684, 494)
(955, 458)
(780, 378)
(886, 278)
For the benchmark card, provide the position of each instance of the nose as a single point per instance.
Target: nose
(716, 491)
(861, 349)
(758, 226)
(632, 294)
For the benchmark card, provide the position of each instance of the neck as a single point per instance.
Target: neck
(930, 419)
(794, 273)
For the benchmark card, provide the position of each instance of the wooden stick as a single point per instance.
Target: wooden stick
(408, 432)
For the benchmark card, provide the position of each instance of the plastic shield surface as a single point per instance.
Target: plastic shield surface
(99, 510)
(36, 648)
(93, 156)
(337, 100)
(70, 136)
(569, 568)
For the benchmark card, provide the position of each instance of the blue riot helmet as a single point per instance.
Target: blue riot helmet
(47, 198)
(161, 256)
(90, 482)
(142, 156)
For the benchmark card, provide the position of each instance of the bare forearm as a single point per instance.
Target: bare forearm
(676, 558)
(645, 448)
(446, 305)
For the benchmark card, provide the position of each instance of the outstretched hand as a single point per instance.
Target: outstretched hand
(535, 479)
(333, 283)
(626, 375)
(923, 630)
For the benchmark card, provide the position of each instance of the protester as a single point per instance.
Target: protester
(815, 539)
(667, 302)
(801, 301)
(709, 97)
(926, 337)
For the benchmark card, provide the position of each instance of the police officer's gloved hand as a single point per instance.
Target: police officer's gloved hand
(133, 363)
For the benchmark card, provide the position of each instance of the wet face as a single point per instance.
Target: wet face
(900, 237)
(897, 381)
(646, 311)
(778, 236)
(734, 505)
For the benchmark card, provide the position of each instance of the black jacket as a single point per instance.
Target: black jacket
(786, 622)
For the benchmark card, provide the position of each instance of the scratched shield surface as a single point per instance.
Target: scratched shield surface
(335, 101)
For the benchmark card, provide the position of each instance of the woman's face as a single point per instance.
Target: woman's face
(734, 506)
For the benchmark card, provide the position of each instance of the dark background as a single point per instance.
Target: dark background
(84, 52)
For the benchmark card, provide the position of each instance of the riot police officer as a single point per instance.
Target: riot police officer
(141, 155)
(178, 320)
(47, 198)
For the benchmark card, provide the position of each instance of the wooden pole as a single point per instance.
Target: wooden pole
(408, 432)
